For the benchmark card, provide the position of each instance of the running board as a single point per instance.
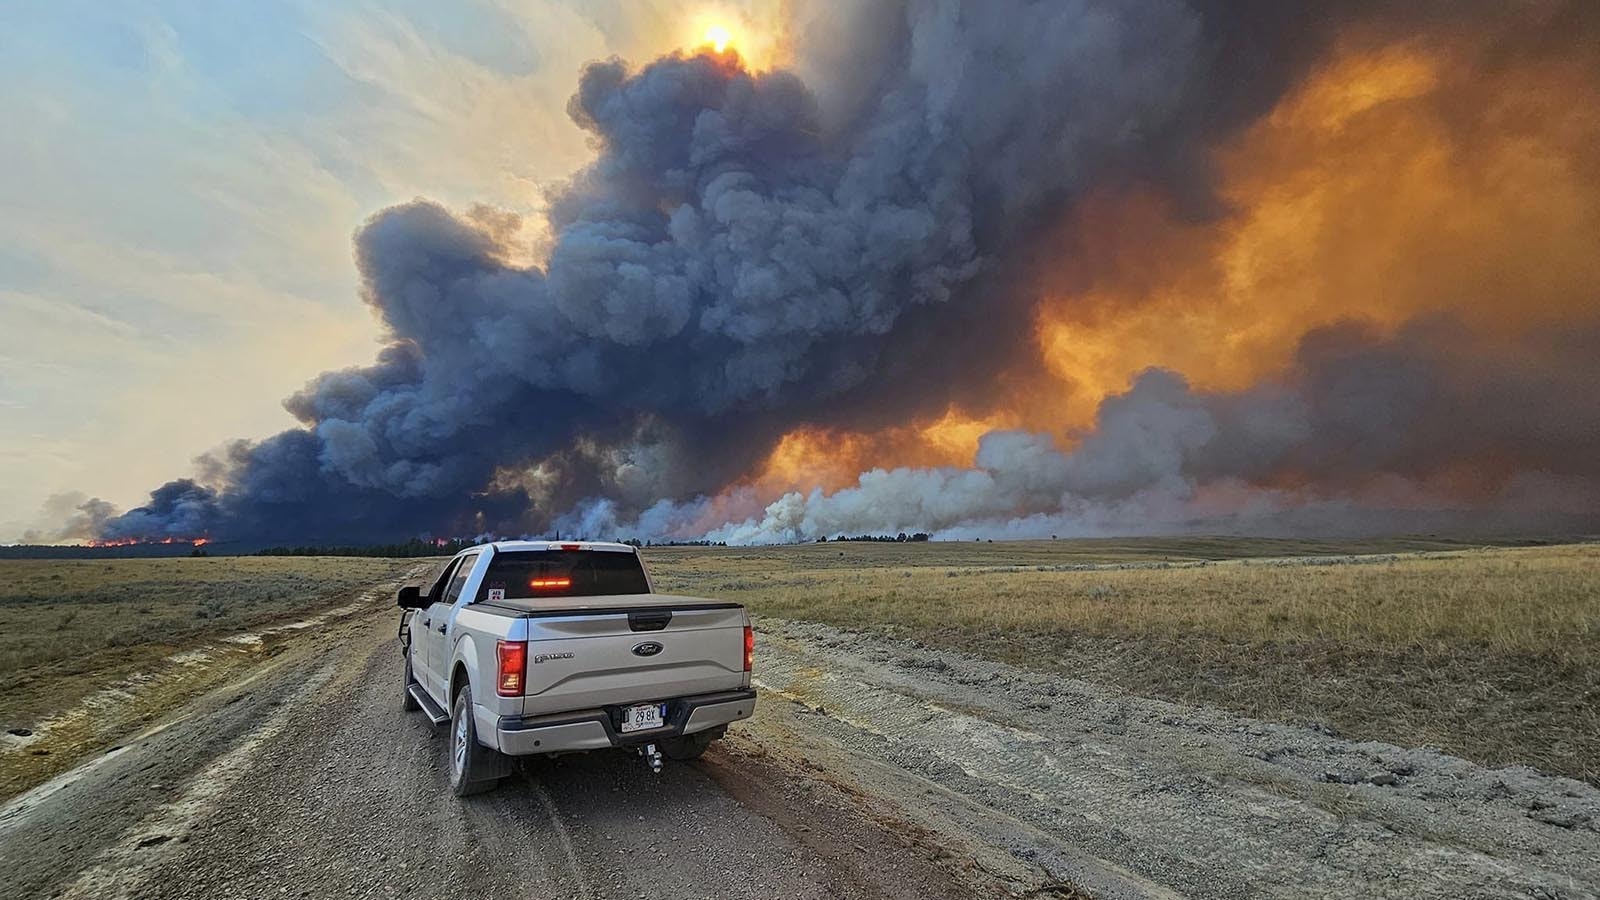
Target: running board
(435, 714)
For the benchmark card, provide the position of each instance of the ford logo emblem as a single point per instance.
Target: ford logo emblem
(648, 648)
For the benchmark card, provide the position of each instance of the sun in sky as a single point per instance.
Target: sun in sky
(719, 37)
(754, 36)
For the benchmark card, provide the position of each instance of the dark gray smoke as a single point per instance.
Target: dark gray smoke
(748, 253)
(1358, 412)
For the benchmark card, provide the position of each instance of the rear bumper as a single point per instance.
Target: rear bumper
(595, 729)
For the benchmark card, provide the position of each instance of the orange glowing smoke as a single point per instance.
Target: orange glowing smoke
(806, 457)
(1397, 182)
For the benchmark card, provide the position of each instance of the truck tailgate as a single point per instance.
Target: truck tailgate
(606, 652)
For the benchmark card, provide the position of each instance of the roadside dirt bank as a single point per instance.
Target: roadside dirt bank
(1126, 795)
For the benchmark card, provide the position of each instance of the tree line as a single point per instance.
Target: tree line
(404, 549)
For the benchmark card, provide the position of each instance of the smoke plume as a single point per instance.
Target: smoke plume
(1358, 414)
(879, 234)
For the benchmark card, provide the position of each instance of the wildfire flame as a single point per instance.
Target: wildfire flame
(130, 542)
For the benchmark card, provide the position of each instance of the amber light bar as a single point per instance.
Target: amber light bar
(550, 583)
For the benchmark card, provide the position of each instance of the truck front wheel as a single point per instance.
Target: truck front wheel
(408, 702)
(474, 768)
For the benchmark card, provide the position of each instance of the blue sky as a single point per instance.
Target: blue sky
(183, 180)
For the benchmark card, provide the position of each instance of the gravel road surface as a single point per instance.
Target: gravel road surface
(308, 781)
(874, 768)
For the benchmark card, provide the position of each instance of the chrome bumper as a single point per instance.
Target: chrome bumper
(595, 729)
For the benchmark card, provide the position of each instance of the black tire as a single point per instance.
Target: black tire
(690, 746)
(408, 702)
(474, 768)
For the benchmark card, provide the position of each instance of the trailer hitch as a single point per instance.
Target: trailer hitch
(652, 757)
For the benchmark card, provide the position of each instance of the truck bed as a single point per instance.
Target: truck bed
(590, 652)
(530, 607)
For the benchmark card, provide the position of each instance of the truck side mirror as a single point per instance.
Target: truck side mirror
(410, 597)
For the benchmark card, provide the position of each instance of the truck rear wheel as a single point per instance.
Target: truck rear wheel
(474, 768)
(687, 747)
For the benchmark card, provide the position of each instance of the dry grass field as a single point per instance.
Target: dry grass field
(68, 627)
(1491, 653)
(94, 651)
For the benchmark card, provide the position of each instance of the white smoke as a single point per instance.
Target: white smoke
(1368, 417)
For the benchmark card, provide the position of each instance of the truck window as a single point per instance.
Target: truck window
(438, 580)
(460, 579)
(563, 573)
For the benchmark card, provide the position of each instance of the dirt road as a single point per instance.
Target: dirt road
(308, 781)
(874, 768)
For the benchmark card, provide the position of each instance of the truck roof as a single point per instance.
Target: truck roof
(505, 546)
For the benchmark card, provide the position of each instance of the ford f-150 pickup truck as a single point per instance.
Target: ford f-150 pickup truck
(542, 647)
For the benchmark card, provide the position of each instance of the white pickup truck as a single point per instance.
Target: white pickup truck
(542, 647)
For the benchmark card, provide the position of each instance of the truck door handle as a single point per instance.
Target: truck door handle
(426, 622)
(441, 627)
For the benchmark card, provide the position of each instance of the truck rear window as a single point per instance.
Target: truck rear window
(562, 573)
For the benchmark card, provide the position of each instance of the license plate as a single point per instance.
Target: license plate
(638, 718)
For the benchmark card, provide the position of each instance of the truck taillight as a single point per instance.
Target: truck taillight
(749, 647)
(513, 657)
